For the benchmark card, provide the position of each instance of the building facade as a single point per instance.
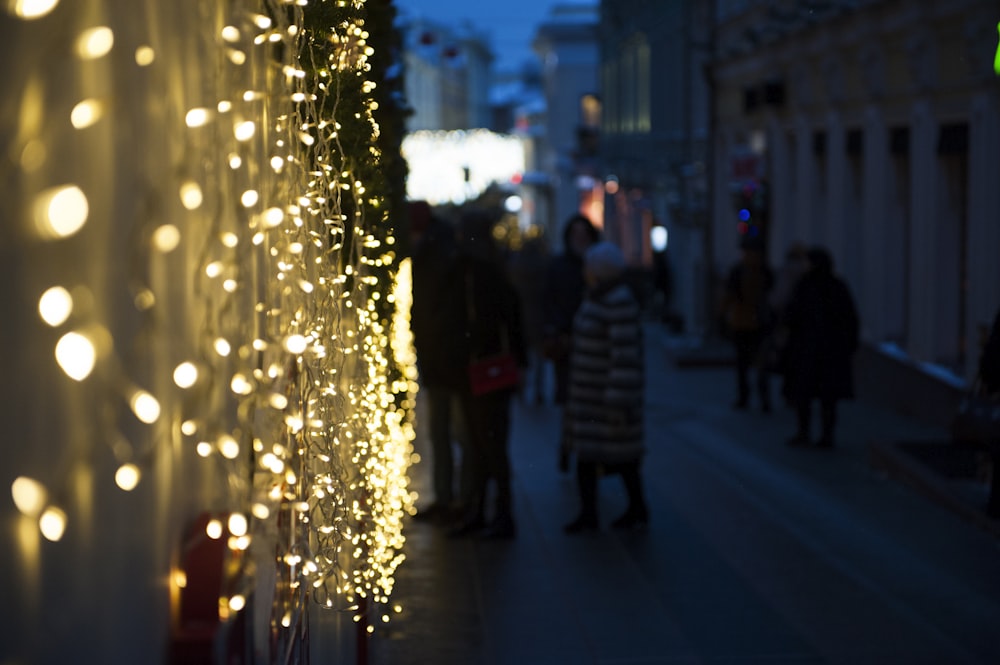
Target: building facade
(873, 128)
(566, 44)
(654, 138)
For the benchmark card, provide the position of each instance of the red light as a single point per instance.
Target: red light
(517, 178)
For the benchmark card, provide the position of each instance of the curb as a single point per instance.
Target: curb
(888, 458)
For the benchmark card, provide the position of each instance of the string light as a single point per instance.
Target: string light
(280, 248)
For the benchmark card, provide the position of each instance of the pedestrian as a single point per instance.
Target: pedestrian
(794, 266)
(433, 251)
(748, 319)
(484, 320)
(604, 410)
(564, 290)
(822, 325)
(527, 270)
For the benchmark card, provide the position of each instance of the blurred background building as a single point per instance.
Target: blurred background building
(871, 127)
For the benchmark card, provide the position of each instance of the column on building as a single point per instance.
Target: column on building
(804, 213)
(880, 296)
(923, 254)
(984, 220)
(834, 234)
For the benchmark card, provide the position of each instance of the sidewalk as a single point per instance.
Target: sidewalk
(756, 552)
(954, 476)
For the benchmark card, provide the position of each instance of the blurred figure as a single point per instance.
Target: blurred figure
(604, 411)
(483, 319)
(527, 272)
(822, 338)
(433, 242)
(795, 265)
(748, 320)
(564, 289)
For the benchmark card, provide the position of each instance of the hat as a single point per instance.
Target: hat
(604, 262)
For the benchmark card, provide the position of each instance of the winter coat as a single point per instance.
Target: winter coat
(432, 259)
(822, 324)
(604, 415)
(480, 317)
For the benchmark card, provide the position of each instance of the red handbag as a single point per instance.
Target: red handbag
(493, 373)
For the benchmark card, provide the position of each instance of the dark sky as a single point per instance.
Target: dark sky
(510, 24)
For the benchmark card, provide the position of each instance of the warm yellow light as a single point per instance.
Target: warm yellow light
(249, 198)
(229, 447)
(273, 217)
(222, 347)
(214, 529)
(224, 106)
(244, 131)
(86, 113)
(197, 117)
(277, 163)
(213, 269)
(145, 406)
(238, 524)
(296, 344)
(191, 197)
(127, 477)
(260, 511)
(235, 161)
(179, 578)
(237, 603)
(278, 401)
(166, 238)
(189, 427)
(230, 240)
(29, 495)
(95, 43)
(241, 385)
(144, 56)
(231, 33)
(76, 355)
(52, 523)
(204, 449)
(186, 375)
(55, 306)
(61, 211)
(32, 9)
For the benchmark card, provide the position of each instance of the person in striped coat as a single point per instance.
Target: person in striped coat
(604, 414)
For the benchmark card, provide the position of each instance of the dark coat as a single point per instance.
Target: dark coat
(432, 261)
(822, 324)
(604, 412)
(481, 317)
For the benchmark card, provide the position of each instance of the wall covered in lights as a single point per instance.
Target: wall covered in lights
(204, 318)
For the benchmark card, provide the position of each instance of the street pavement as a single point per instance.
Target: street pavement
(756, 552)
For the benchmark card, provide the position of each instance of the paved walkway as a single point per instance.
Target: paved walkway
(756, 552)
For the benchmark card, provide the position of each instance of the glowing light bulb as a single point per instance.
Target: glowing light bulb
(231, 33)
(249, 198)
(189, 428)
(95, 43)
(229, 447)
(55, 306)
(238, 524)
(237, 603)
(32, 9)
(52, 523)
(145, 406)
(191, 197)
(222, 347)
(76, 355)
(235, 161)
(204, 449)
(144, 56)
(241, 385)
(197, 117)
(273, 217)
(61, 212)
(230, 240)
(244, 131)
(260, 511)
(185, 375)
(166, 238)
(127, 477)
(214, 529)
(86, 113)
(29, 495)
(296, 344)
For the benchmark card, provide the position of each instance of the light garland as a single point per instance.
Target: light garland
(295, 370)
